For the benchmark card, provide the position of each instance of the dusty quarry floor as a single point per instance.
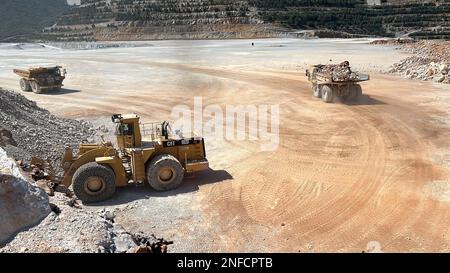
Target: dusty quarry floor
(346, 177)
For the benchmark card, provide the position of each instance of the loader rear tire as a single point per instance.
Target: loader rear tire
(93, 182)
(164, 172)
(25, 85)
(327, 93)
(36, 87)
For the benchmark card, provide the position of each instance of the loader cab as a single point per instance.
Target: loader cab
(127, 131)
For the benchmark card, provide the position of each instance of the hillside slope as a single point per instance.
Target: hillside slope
(421, 19)
(26, 17)
(159, 19)
(96, 20)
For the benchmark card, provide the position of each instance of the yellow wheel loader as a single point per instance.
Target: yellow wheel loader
(155, 156)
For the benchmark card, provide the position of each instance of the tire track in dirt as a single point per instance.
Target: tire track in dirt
(382, 140)
(367, 217)
(343, 175)
(389, 140)
(415, 153)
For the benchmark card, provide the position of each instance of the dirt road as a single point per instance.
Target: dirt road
(371, 175)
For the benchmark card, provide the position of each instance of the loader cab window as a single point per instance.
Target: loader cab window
(124, 130)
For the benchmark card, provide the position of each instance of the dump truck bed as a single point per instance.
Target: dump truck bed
(33, 72)
(23, 73)
(327, 78)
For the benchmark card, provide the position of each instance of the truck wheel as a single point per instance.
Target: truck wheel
(93, 182)
(25, 85)
(36, 87)
(355, 91)
(327, 93)
(164, 173)
(345, 92)
(316, 91)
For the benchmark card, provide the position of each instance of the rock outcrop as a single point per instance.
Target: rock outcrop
(22, 204)
(114, 20)
(429, 60)
(27, 130)
(160, 19)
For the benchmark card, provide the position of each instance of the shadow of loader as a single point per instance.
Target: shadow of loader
(191, 183)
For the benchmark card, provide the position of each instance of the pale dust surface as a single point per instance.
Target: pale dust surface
(344, 177)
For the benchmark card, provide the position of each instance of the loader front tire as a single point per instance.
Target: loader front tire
(93, 182)
(327, 93)
(25, 85)
(164, 172)
(36, 87)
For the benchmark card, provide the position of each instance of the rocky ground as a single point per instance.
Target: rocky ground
(21, 204)
(429, 61)
(71, 227)
(61, 223)
(27, 130)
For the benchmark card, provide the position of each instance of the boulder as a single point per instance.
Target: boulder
(444, 69)
(22, 205)
(124, 242)
(440, 79)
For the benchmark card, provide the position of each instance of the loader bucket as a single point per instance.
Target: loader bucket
(45, 169)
